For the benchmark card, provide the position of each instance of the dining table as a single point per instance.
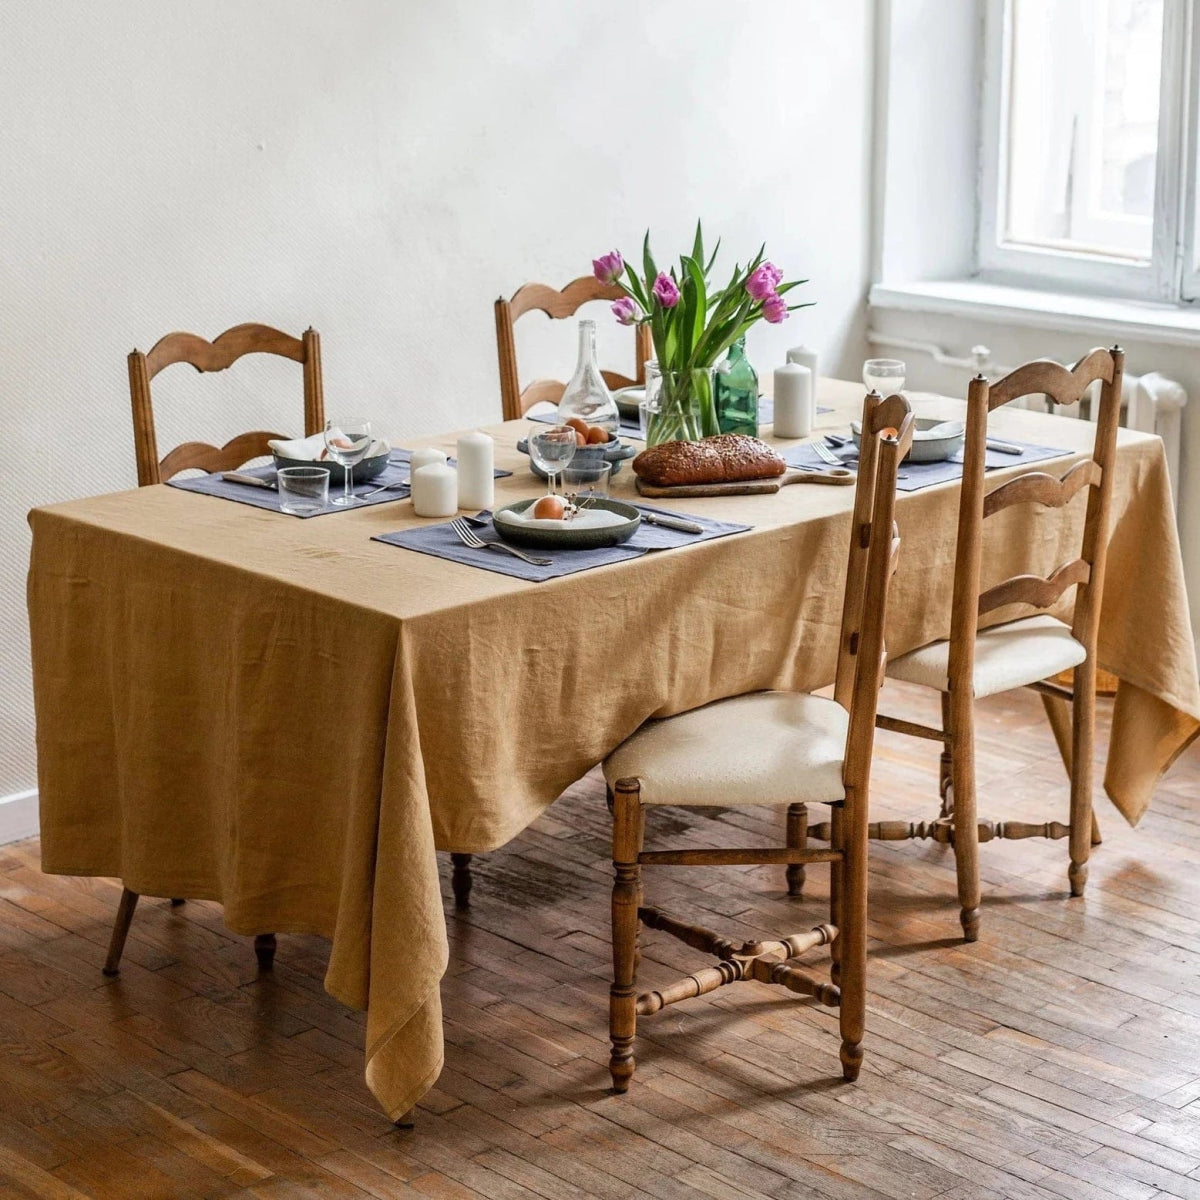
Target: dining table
(291, 717)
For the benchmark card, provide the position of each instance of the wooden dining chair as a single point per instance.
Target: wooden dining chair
(539, 297)
(779, 748)
(1028, 651)
(223, 352)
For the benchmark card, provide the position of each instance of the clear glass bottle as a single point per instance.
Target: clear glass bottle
(737, 392)
(587, 394)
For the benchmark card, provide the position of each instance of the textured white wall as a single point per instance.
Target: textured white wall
(382, 170)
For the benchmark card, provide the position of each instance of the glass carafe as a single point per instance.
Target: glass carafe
(587, 395)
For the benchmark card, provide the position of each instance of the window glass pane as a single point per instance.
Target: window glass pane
(1083, 125)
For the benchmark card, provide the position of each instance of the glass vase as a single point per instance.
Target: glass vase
(737, 392)
(681, 405)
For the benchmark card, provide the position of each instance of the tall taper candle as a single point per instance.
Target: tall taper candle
(794, 407)
(435, 490)
(476, 461)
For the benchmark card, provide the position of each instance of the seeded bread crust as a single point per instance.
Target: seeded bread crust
(727, 458)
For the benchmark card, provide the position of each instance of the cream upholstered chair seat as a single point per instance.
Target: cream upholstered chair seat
(1007, 656)
(763, 748)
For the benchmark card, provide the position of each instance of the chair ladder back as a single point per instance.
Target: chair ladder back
(558, 305)
(882, 557)
(1063, 386)
(856, 565)
(217, 355)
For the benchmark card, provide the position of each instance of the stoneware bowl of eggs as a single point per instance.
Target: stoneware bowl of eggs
(593, 443)
(934, 440)
(549, 523)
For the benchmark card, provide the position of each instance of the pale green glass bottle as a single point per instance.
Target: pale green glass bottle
(737, 392)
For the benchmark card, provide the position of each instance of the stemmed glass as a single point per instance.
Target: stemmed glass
(551, 449)
(883, 375)
(347, 443)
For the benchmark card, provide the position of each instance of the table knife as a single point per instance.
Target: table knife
(672, 522)
(251, 480)
(1004, 447)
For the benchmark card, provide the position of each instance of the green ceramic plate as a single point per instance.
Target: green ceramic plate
(569, 537)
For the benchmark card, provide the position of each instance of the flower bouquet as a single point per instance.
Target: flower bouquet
(692, 325)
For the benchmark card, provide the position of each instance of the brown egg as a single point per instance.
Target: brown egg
(578, 424)
(889, 431)
(596, 435)
(580, 440)
(549, 508)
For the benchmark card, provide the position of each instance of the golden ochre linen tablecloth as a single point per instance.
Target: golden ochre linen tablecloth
(289, 717)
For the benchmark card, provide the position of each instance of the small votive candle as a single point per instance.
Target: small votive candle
(476, 460)
(424, 456)
(794, 406)
(435, 490)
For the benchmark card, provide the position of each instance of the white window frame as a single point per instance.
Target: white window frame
(1164, 278)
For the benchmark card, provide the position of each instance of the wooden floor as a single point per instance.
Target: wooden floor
(1057, 1057)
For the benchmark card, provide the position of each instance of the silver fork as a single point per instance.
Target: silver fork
(468, 537)
(826, 455)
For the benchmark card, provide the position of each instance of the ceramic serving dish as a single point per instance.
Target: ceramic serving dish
(363, 471)
(614, 451)
(628, 399)
(569, 536)
(934, 440)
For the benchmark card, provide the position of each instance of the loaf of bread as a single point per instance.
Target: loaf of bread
(727, 458)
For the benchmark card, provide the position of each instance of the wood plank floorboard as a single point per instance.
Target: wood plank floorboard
(1058, 1057)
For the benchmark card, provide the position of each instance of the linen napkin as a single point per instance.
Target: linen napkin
(442, 542)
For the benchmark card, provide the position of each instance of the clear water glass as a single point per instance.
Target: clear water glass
(303, 490)
(347, 442)
(649, 408)
(551, 450)
(883, 375)
(586, 479)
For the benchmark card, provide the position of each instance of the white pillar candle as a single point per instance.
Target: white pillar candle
(794, 406)
(476, 460)
(435, 490)
(806, 357)
(424, 456)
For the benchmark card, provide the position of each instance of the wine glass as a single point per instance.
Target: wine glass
(551, 449)
(883, 375)
(347, 443)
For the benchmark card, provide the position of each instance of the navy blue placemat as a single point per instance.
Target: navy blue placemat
(441, 542)
(396, 472)
(633, 428)
(915, 476)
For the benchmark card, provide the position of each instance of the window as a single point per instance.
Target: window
(1086, 167)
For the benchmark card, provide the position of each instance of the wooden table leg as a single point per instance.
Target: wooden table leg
(460, 880)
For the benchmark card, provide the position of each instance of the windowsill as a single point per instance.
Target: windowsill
(1116, 320)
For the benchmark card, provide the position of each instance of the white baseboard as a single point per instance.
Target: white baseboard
(18, 816)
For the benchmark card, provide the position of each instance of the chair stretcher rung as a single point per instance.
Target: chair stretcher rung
(733, 858)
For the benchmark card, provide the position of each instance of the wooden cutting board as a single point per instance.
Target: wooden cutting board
(836, 476)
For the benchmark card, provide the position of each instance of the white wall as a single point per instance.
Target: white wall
(381, 169)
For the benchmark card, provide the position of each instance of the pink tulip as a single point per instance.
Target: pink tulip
(608, 267)
(665, 291)
(775, 309)
(625, 311)
(763, 281)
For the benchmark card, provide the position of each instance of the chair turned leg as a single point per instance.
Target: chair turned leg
(797, 839)
(946, 763)
(851, 939)
(966, 821)
(460, 879)
(116, 945)
(626, 897)
(264, 951)
(1083, 716)
(837, 841)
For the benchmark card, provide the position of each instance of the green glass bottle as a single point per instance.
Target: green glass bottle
(737, 392)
